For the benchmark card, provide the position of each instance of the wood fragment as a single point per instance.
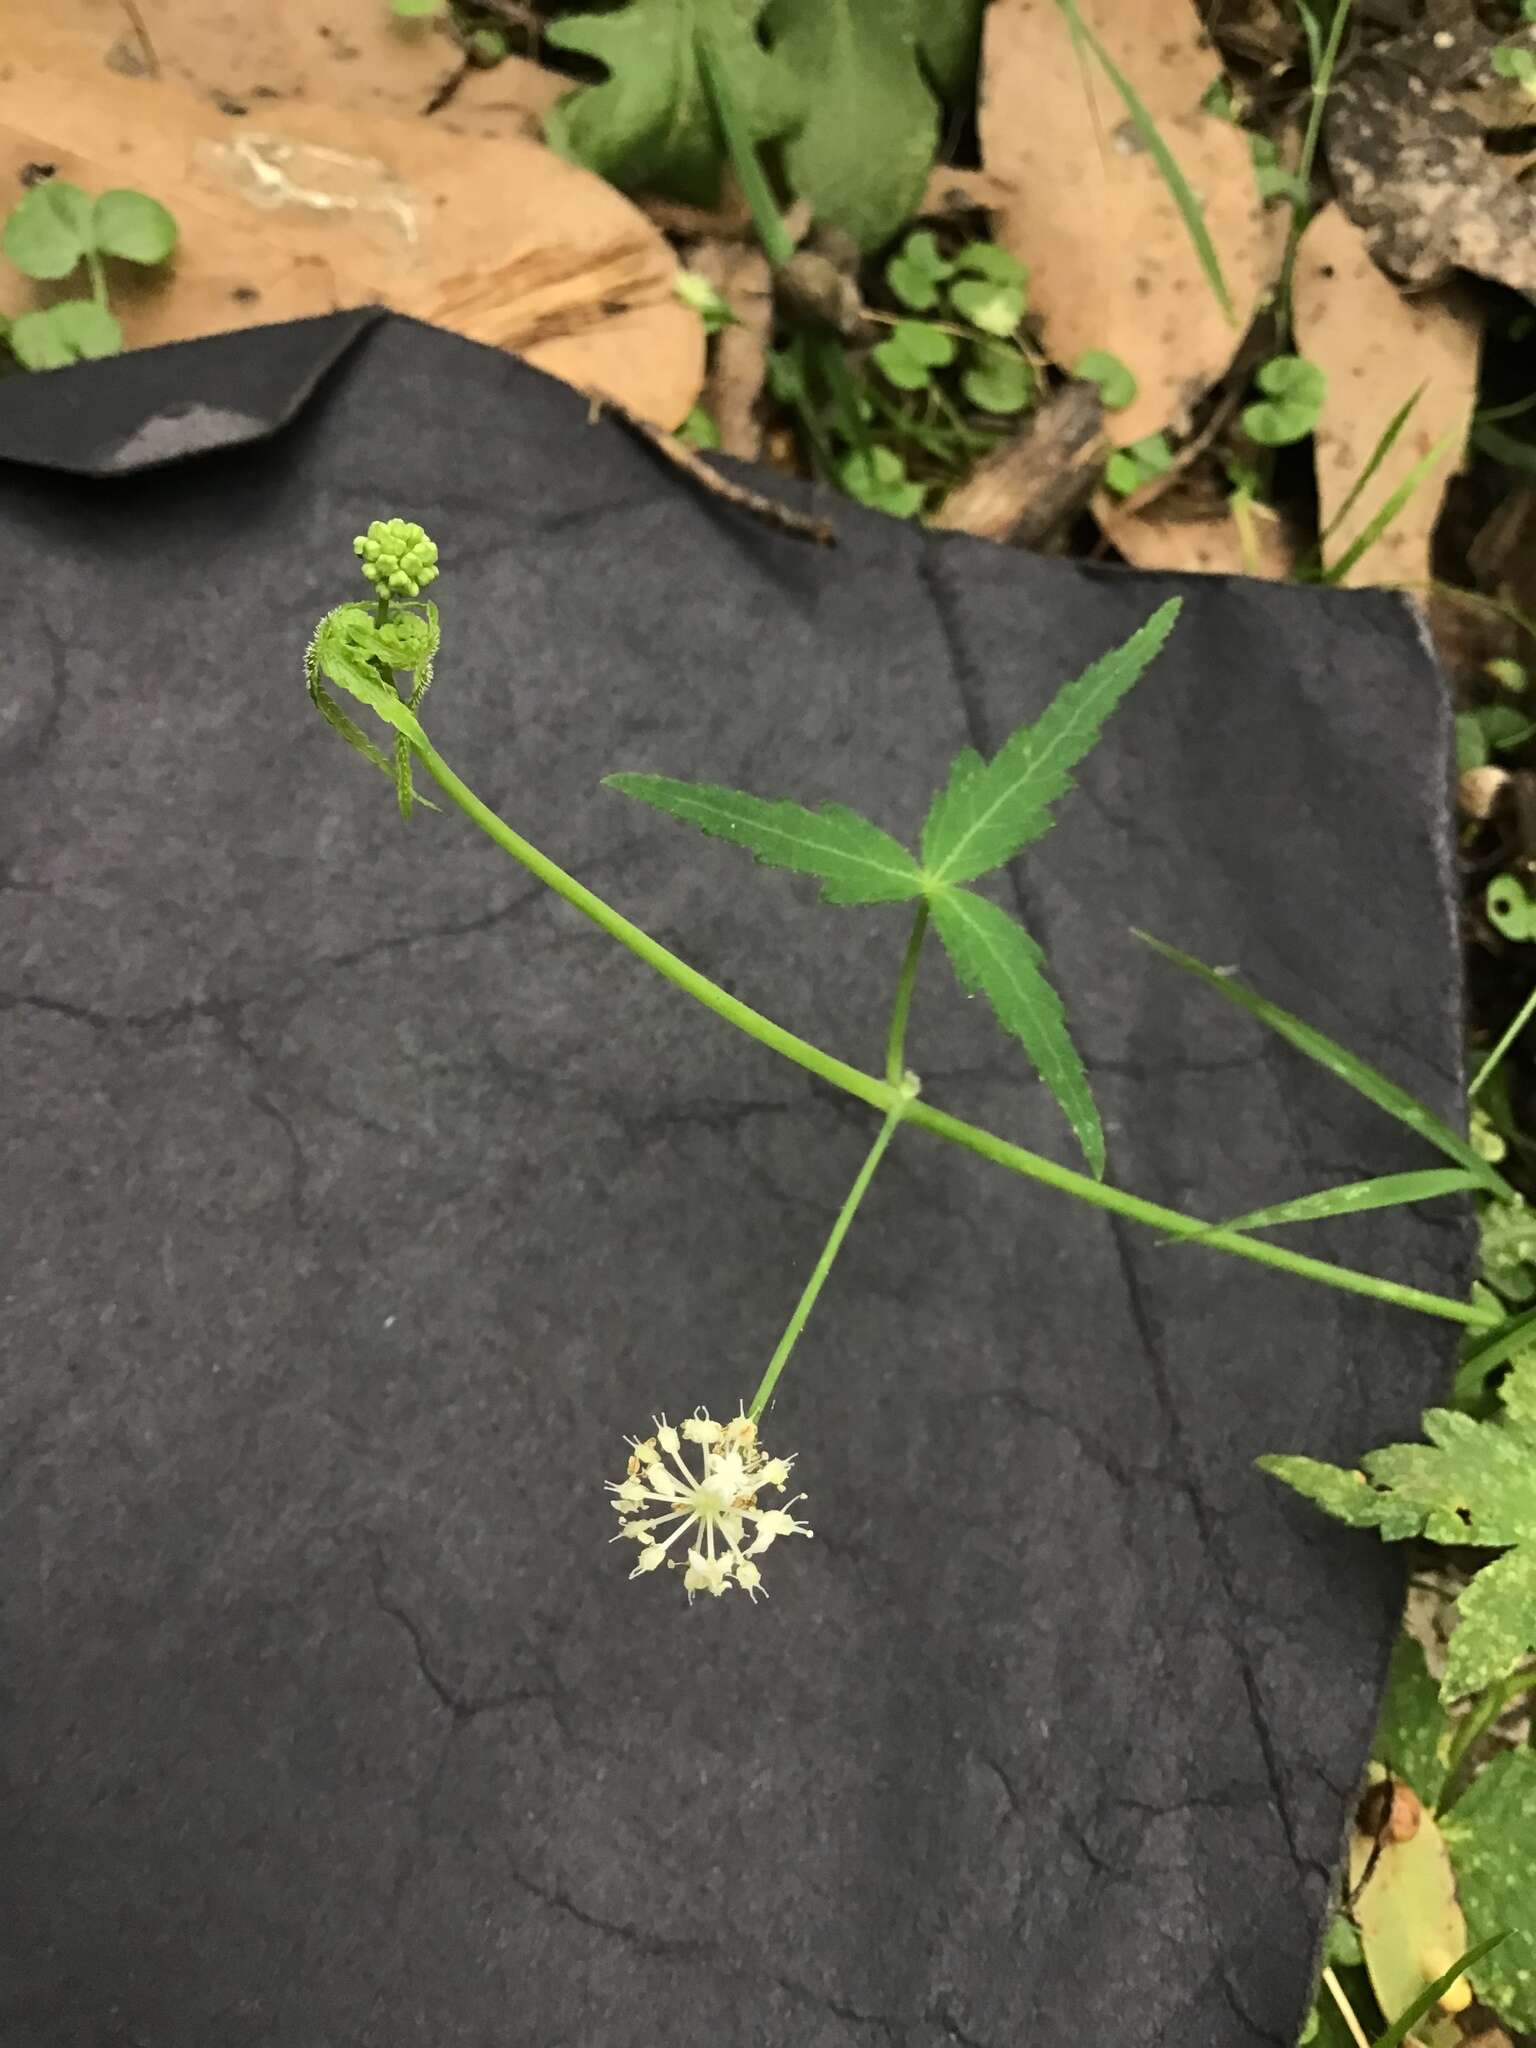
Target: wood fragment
(738, 360)
(1036, 480)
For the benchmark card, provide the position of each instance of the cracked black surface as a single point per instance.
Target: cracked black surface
(361, 1198)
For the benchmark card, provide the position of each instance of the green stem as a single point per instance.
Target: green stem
(883, 1096)
(1480, 1720)
(1322, 83)
(896, 1040)
(829, 1252)
(93, 264)
(1490, 1065)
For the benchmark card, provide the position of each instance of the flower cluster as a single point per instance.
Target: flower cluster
(717, 1505)
(397, 557)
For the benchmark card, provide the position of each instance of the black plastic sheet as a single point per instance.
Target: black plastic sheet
(360, 1198)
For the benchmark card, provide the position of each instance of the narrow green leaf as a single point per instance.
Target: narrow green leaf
(1432, 1994)
(855, 861)
(997, 957)
(1377, 525)
(1369, 1082)
(988, 813)
(1374, 460)
(1190, 210)
(1386, 1191)
(1346, 1495)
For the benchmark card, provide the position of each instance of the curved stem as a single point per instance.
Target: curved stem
(829, 1252)
(1479, 1720)
(883, 1096)
(896, 1041)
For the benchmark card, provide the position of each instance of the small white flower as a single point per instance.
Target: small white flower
(715, 1508)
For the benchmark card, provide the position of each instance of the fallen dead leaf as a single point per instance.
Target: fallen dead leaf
(1193, 526)
(1111, 262)
(501, 241)
(1377, 348)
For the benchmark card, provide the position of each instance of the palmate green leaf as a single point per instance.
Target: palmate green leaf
(868, 127)
(651, 122)
(996, 957)
(1354, 1198)
(1359, 1074)
(1413, 1734)
(854, 860)
(1490, 1833)
(1472, 1483)
(989, 811)
(357, 655)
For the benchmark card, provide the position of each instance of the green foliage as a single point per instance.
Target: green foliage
(397, 557)
(698, 292)
(1117, 386)
(699, 429)
(867, 123)
(989, 811)
(650, 123)
(1413, 1735)
(1511, 911)
(48, 231)
(70, 331)
(1273, 179)
(1509, 1250)
(912, 351)
(917, 270)
(1375, 1086)
(1429, 1998)
(54, 228)
(996, 957)
(1386, 1191)
(416, 10)
(1129, 468)
(1388, 511)
(877, 477)
(1515, 62)
(1294, 390)
(998, 379)
(357, 653)
(1472, 1483)
(990, 292)
(948, 44)
(1491, 1834)
(854, 860)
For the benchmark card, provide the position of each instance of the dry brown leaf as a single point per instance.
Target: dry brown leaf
(1376, 348)
(1192, 526)
(1111, 262)
(502, 241)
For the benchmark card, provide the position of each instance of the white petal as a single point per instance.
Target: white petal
(700, 1430)
(649, 1559)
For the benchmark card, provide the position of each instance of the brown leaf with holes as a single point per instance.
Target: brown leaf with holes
(1412, 168)
(1376, 347)
(1111, 262)
(501, 241)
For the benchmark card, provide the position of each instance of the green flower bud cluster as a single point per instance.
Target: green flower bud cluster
(397, 557)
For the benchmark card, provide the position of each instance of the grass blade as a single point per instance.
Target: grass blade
(1324, 56)
(1382, 519)
(1358, 1073)
(1354, 1198)
(1377, 457)
(1492, 1351)
(1490, 1066)
(1190, 210)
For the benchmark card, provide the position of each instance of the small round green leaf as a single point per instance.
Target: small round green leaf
(917, 270)
(1294, 390)
(986, 259)
(879, 478)
(1510, 911)
(133, 226)
(999, 379)
(73, 331)
(993, 308)
(1471, 743)
(49, 229)
(1513, 61)
(1117, 387)
(699, 429)
(912, 351)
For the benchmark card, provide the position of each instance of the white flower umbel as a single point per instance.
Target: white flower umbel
(709, 1522)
